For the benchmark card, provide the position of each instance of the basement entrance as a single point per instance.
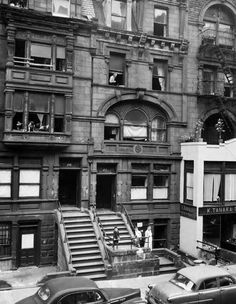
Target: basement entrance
(69, 182)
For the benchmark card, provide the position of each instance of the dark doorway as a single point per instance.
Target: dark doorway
(210, 135)
(68, 187)
(105, 191)
(160, 233)
(28, 247)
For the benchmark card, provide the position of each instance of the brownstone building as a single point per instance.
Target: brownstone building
(95, 96)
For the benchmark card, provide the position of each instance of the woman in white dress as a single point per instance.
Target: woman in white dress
(148, 238)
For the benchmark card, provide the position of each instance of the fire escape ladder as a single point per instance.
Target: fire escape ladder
(227, 71)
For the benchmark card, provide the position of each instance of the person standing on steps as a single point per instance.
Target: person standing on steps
(148, 238)
(116, 237)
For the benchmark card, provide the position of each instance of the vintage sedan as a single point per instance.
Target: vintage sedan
(195, 284)
(80, 290)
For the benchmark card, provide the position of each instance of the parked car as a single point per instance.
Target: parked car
(80, 290)
(195, 284)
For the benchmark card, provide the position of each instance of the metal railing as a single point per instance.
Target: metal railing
(65, 239)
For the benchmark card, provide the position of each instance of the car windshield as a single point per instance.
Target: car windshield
(44, 293)
(183, 282)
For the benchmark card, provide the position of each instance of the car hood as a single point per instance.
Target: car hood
(28, 300)
(166, 290)
(121, 294)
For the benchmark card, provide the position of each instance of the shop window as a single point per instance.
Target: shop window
(209, 81)
(230, 189)
(160, 22)
(135, 126)
(111, 131)
(116, 69)
(219, 25)
(118, 14)
(5, 183)
(160, 186)
(139, 187)
(29, 183)
(159, 75)
(61, 8)
(158, 129)
(211, 229)
(19, 3)
(5, 239)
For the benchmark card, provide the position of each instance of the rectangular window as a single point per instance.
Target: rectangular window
(118, 14)
(189, 186)
(159, 75)
(116, 69)
(160, 22)
(5, 183)
(209, 81)
(59, 114)
(160, 186)
(61, 8)
(29, 183)
(20, 52)
(211, 187)
(139, 187)
(60, 59)
(230, 187)
(40, 55)
(5, 239)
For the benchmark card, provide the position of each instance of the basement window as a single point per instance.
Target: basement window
(5, 239)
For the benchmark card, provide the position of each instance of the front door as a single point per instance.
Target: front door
(106, 192)
(28, 246)
(68, 187)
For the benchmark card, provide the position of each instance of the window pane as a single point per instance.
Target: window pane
(40, 50)
(18, 101)
(189, 186)
(59, 105)
(30, 176)
(160, 16)
(61, 7)
(160, 193)
(5, 191)
(5, 176)
(61, 52)
(29, 191)
(112, 119)
(136, 117)
(138, 193)
(230, 187)
(139, 180)
(211, 187)
(39, 104)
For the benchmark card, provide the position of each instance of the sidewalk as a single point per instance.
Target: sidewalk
(24, 280)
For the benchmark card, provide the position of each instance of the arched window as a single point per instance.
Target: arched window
(112, 127)
(135, 126)
(158, 129)
(219, 24)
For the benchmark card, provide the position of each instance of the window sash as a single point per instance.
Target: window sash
(138, 193)
(29, 183)
(5, 183)
(189, 186)
(160, 192)
(61, 8)
(230, 187)
(211, 187)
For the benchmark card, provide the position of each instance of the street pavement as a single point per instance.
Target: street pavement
(26, 285)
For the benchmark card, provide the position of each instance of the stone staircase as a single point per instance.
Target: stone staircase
(109, 220)
(82, 242)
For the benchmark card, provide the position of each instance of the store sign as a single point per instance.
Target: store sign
(188, 211)
(217, 210)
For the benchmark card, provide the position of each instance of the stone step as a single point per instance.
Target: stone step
(85, 265)
(168, 269)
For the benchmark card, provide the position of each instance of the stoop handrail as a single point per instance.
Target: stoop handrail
(65, 239)
(123, 209)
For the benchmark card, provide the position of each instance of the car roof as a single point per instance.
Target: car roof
(202, 272)
(70, 283)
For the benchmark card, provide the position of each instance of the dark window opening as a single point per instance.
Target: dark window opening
(19, 3)
(59, 124)
(61, 59)
(159, 75)
(20, 52)
(5, 239)
(210, 134)
(116, 69)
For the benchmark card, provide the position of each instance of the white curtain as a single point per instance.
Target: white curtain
(135, 131)
(211, 187)
(230, 187)
(189, 186)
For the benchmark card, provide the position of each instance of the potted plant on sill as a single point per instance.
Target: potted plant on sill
(220, 128)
